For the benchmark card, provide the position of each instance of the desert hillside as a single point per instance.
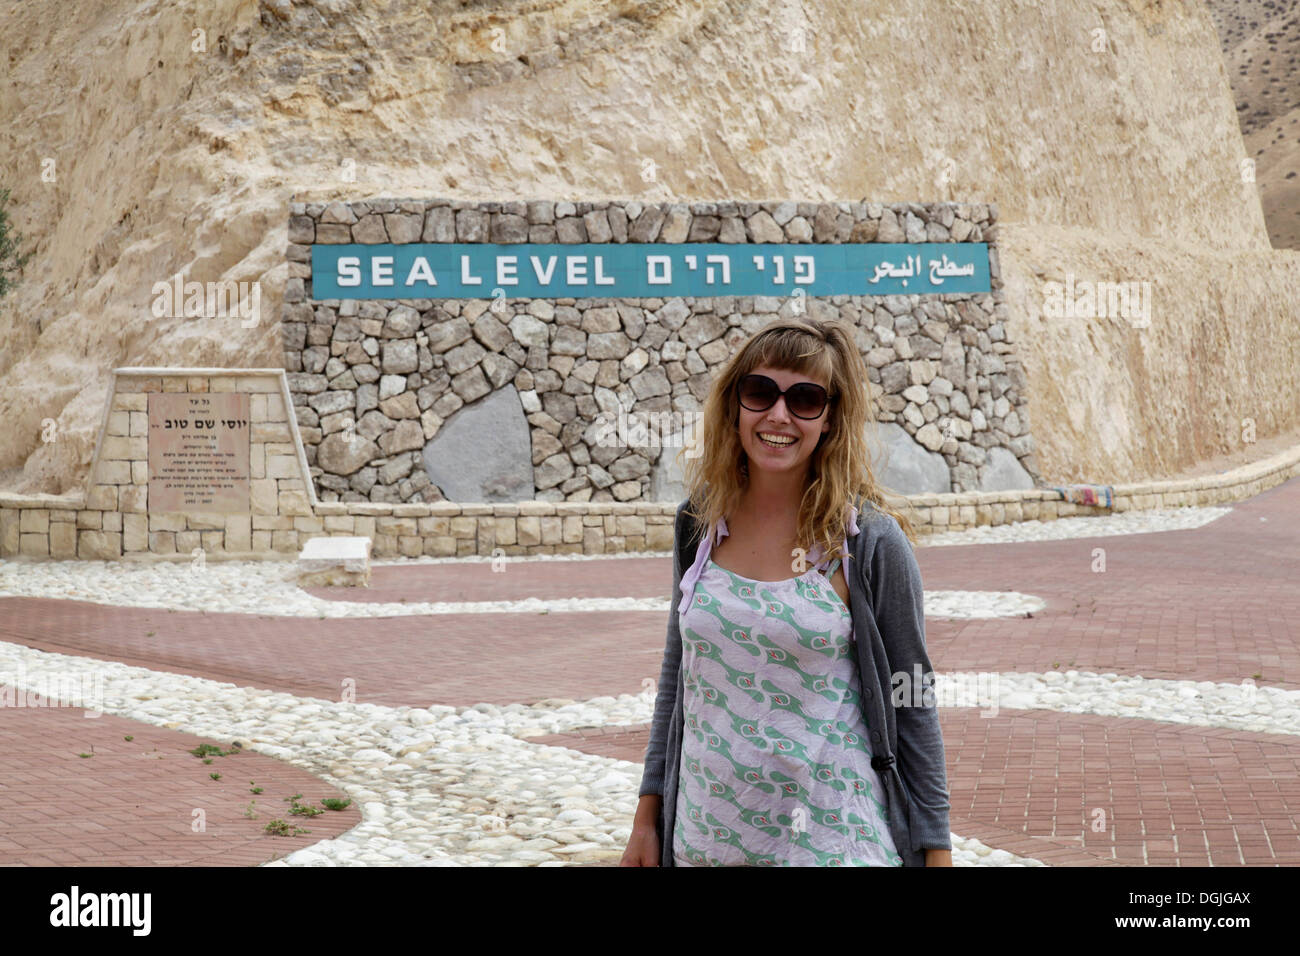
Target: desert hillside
(172, 136)
(1261, 48)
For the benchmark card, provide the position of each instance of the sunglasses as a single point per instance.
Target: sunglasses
(758, 393)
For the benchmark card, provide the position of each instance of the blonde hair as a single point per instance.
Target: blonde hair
(839, 470)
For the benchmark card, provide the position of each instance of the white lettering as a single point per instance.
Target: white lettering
(659, 270)
(420, 270)
(349, 271)
(103, 909)
(543, 277)
(162, 303)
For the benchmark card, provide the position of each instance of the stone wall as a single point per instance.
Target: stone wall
(427, 400)
(49, 526)
(114, 519)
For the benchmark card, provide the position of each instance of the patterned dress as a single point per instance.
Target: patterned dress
(776, 768)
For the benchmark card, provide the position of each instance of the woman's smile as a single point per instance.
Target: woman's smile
(776, 439)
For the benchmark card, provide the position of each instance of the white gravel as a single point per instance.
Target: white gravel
(270, 588)
(1124, 522)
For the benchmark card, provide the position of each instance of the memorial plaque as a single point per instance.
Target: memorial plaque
(198, 451)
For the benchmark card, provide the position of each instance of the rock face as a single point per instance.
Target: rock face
(907, 468)
(234, 122)
(483, 452)
(667, 478)
(1004, 473)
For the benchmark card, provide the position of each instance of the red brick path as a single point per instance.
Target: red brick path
(1032, 782)
(132, 803)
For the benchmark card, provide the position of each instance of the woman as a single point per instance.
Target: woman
(787, 730)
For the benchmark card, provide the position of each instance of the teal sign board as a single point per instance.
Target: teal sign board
(478, 270)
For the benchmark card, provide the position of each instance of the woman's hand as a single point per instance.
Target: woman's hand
(642, 847)
(938, 857)
(643, 844)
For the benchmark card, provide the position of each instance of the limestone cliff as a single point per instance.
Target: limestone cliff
(179, 131)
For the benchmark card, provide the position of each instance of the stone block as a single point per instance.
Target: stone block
(659, 537)
(440, 546)
(396, 526)
(631, 525)
(134, 499)
(99, 545)
(167, 521)
(35, 545)
(503, 530)
(135, 532)
(282, 466)
(294, 502)
(113, 472)
(285, 542)
(259, 383)
(435, 524)
(63, 540)
(162, 542)
(552, 530)
(205, 521)
(529, 530)
(102, 498)
(35, 520)
(238, 533)
(115, 447)
(270, 431)
(272, 523)
(140, 383)
(264, 496)
(130, 402)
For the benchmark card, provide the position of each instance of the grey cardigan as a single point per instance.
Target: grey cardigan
(887, 605)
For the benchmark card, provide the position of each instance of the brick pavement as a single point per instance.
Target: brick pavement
(1216, 603)
(132, 803)
(1032, 782)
